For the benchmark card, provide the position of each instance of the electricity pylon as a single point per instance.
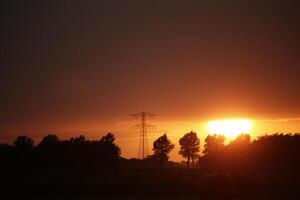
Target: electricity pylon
(143, 127)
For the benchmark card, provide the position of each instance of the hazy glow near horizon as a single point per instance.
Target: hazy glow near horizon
(229, 128)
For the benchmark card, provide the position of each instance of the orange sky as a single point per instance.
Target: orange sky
(176, 129)
(128, 139)
(82, 68)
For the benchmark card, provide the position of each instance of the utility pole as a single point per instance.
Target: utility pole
(143, 127)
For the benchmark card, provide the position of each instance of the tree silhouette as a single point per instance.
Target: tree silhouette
(237, 151)
(108, 152)
(23, 153)
(77, 140)
(189, 147)
(242, 139)
(213, 143)
(23, 143)
(108, 146)
(161, 147)
(109, 138)
(49, 155)
(49, 141)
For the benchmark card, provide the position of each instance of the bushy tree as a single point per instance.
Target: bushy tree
(242, 139)
(23, 143)
(162, 146)
(108, 146)
(23, 153)
(74, 154)
(77, 140)
(49, 154)
(109, 138)
(189, 147)
(48, 141)
(213, 143)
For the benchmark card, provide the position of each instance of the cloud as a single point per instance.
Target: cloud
(279, 120)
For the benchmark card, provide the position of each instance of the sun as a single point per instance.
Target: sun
(229, 128)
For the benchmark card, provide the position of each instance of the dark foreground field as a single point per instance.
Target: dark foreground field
(266, 168)
(165, 198)
(169, 184)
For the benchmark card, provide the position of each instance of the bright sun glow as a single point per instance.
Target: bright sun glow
(229, 128)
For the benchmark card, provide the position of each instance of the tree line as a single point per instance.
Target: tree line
(242, 152)
(189, 147)
(52, 154)
(78, 153)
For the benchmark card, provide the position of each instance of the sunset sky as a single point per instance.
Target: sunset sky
(82, 67)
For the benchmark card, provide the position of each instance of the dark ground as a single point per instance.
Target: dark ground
(130, 184)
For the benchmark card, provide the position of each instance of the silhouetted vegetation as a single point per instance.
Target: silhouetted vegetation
(267, 165)
(190, 147)
(51, 154)
(162, 147)
(271, 160)
(213, 143)
(278, 150)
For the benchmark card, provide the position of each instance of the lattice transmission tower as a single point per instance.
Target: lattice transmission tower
(143, 127)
